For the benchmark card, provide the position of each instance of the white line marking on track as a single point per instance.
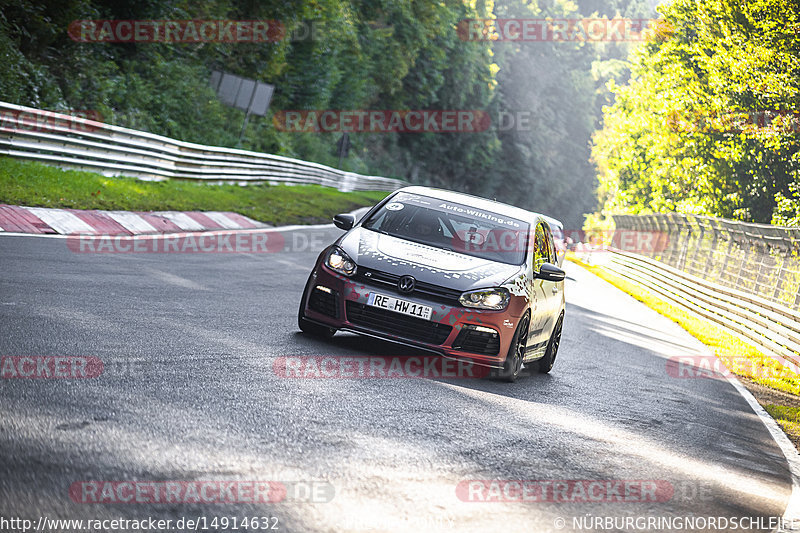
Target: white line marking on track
(792, 513)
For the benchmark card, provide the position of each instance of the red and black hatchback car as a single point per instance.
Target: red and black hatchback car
(463, 276)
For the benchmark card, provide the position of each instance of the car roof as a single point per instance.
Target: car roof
(492, 206)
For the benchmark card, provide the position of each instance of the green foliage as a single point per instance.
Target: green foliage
(709, 122)
(789, 419)
(351, 55)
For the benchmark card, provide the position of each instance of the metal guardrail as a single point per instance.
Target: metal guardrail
(743, 277)
(74, 142)
(775, 329)
(758, 259)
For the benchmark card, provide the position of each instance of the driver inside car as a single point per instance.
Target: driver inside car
(424, 226)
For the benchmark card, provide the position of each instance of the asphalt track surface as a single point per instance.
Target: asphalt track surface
(189, 392)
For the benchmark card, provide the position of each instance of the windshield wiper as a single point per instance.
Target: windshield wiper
(379, 231)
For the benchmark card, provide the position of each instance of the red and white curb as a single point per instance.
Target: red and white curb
(40, 220)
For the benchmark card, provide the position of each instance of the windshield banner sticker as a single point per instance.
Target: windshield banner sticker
(479, 214)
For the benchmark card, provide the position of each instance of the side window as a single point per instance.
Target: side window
(540, 248)
(551, 248)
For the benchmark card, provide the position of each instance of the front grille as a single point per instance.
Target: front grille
(427, 290)
(398, 324)
(323, 302)
(481, 342)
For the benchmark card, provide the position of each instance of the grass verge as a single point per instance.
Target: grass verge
(788, 417)
(764, 377)
(35, 184)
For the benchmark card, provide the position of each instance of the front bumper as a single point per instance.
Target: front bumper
(480, 336)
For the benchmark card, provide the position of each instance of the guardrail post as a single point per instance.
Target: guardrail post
(698, 246)
(647, 225)
(728, 253)
(776, 294)
(729, 226)
(656, 221)
(763, 252)
(684, 224)
(347, 183)
(673, 228)
(713, 250)
(747, 256)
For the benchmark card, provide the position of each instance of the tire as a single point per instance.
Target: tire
(310, 328)
(545, 364)
(516, 352)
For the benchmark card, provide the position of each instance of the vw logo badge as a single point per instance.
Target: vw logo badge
(406, 284)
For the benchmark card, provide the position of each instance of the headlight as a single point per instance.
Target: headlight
(340, 262)
(486, 299)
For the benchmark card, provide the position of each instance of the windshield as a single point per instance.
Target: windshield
(452, 226)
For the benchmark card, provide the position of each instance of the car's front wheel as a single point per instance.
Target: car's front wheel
(304, 324)
(546, 362)
(516, 352)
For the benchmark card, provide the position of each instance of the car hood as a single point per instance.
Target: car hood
(429, 264)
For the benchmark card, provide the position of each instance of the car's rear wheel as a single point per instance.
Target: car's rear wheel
(546, 362)
(516, 352)
(304, 324)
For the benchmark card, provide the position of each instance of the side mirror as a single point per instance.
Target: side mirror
(344, 221)
(550, 272)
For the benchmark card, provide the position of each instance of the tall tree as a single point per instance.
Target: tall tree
(709, 122)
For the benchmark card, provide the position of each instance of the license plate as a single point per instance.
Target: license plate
(390, 303)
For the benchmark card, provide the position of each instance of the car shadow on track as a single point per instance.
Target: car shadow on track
(353, 345)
